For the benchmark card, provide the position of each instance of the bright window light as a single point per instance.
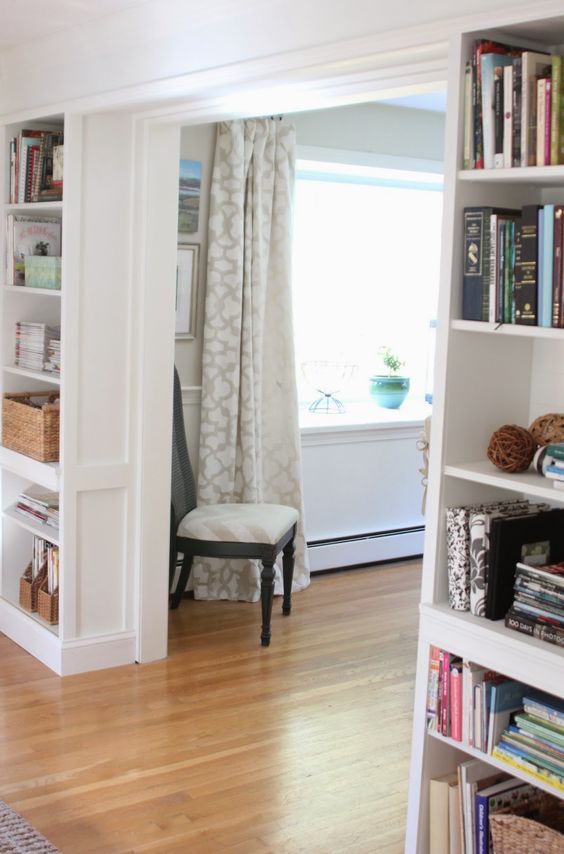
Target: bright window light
(366, 271)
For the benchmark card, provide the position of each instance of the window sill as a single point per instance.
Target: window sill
(363, 420)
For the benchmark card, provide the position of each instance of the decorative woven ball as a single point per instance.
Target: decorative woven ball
(548, 428)
(511, 448)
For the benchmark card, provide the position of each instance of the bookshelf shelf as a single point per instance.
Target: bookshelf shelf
(43, 292)
(42, 376)
(44, 474)
(527, 482)
(527, 659)
(46, 532)
(512, 330)
(35, 208)
(486, 375)
(495, 763)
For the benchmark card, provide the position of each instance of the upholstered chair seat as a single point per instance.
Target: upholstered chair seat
(238, 523)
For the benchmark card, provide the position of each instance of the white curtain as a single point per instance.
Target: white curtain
(249, 439)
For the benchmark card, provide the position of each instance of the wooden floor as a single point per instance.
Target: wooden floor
(227, 747)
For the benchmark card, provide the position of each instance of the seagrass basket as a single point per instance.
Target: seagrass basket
(513, 834)
(29, 588)
(48, 603)
(30, 424)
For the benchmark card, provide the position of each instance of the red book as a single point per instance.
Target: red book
(456, 700)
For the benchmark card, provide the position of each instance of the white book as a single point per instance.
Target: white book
(507, 115)
(532, 66)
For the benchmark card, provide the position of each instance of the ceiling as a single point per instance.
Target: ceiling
(26, 20)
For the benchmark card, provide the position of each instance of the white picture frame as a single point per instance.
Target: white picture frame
(187, 269)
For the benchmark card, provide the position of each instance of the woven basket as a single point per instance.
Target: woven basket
(32, 430)
(513, 834)
(29, 588)
(48, 604)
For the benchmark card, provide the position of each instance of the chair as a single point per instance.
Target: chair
(251, 531)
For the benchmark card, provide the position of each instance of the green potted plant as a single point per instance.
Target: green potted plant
(389, 388)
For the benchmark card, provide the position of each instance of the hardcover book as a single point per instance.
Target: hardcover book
(477, 261)
(30, 236)
(526, 266)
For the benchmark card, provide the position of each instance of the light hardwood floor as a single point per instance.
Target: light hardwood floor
(227, 747)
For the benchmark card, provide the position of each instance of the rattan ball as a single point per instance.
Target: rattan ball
(548, 428)
(511, 448)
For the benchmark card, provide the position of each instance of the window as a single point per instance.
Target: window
(366, 273)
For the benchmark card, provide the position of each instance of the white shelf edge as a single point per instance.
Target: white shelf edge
(22, 289)
(42, 376)
(491, 644)
(485, 472)
(45, 474)
(518, 174)
(497, 763)
(46, 532)
(28, 207)
(511, 329)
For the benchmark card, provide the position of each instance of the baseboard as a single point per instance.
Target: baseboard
(97, 653)
(365, 549)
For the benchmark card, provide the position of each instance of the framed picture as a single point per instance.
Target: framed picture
(186, 289)
(189, 186)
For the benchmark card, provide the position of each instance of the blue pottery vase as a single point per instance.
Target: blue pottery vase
(389, 392)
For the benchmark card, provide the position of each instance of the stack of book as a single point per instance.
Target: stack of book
(45, 558)
(53, 362)
(36, 166)
(40, 504)
(32, 342)
(534, 741)
(513, 109)
(514, 265)
(549, 461)
(538, 605)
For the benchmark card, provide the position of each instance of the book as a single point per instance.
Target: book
(545, 706)
(511, 231)
(488, 64)
(456, 699)
(439, 803)
(472, 776)
(516, 112)
(511, 538)
(499, 114)
(507, 116)
(558, 265)
(543, 730)
(526, 263)
(556, 116)
(506, 697)
(29, 236)
(534, 627)
(543, 120)
(513, 760)
(497, 232)
(433, 687)
(546, 257)
(444, 674)
(533, 66)
(468, 128)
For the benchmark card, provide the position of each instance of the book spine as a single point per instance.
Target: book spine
(481, 807)
(468, 129)
(498, 103)
(547, 121)
(535, 628)
(556, 90)
(493, 301)
(477, 107)
(456, 702)
(540, 123)
(557, 264)
(476, 264)
(507, 116)
(445, 693)
(516, 111)
(545, 281)
(526, 283)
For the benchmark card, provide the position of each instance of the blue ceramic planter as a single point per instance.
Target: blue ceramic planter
(389, 392)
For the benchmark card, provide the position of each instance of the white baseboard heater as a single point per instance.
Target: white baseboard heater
(343, 552)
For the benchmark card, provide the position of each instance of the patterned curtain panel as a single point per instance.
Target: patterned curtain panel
(249, 440)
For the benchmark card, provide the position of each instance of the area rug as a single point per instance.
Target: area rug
(18, 837)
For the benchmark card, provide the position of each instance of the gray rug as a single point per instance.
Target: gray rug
(19, 837)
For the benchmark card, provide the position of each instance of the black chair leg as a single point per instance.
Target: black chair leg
(266, 594)
(182, 580)
(288, 554)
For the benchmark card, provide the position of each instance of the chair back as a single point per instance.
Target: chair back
(183, 492)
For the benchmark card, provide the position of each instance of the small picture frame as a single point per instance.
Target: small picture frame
(187, 270)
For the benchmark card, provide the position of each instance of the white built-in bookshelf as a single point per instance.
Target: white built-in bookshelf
(93, 308)
(485, 377)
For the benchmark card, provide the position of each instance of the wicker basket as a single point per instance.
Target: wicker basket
(31, 429)
(48, 604)
(29, 588)
(513, 834)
